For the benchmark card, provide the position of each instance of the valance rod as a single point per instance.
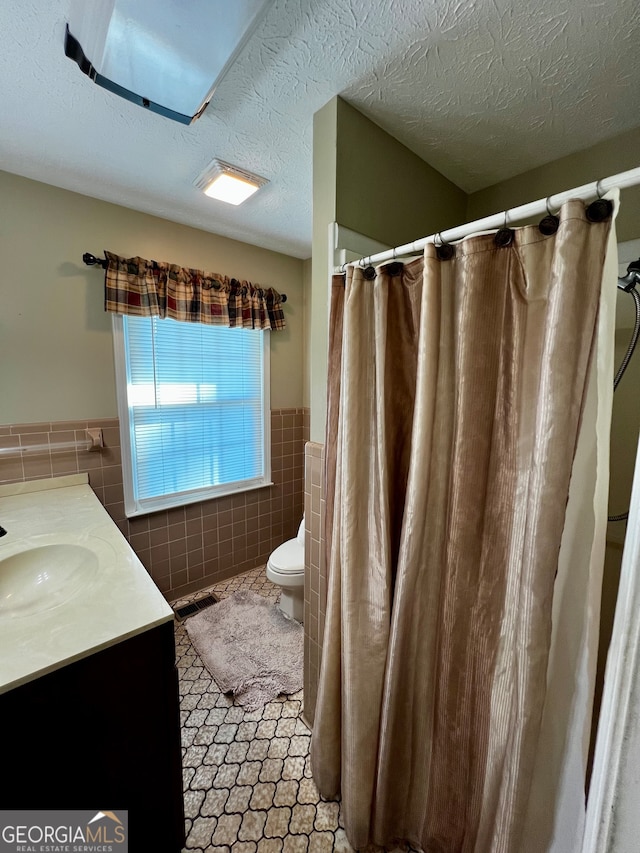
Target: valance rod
(91, 261)
(497, 220)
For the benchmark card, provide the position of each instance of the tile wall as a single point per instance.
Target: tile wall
(315, 582)
(187, 548)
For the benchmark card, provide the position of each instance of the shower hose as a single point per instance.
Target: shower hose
(627, 283)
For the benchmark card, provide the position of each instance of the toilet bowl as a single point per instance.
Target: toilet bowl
(285, 568)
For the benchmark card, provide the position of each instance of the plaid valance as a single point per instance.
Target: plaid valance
(153, 289)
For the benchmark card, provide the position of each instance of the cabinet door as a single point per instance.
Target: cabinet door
(102, 731)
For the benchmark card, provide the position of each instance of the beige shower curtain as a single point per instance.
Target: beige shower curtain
(459, 393)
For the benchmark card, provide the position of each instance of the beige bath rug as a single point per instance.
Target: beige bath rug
(250, 647)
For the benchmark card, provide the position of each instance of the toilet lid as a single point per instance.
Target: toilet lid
(288, 558)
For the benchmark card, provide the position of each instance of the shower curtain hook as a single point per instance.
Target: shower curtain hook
(600, 209)
(549, 225)
(504, 236)
(444, 251)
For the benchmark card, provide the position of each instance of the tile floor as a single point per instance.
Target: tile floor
(247, 774)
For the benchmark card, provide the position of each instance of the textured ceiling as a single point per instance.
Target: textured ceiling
(481, 89)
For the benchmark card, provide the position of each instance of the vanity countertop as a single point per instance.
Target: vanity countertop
(117, 600)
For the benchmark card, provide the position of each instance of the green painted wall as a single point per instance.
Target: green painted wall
(325, 133)
(386, 191)
(367, 181)
(306, 332)
(600, 161)
(56, 349)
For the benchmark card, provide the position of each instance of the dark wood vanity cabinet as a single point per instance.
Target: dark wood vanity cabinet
(103, 733)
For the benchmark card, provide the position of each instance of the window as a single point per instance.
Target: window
(193, 402)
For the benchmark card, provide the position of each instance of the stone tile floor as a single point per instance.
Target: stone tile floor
(247, 774)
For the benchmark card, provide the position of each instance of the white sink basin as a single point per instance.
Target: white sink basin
(61, 604)
(43, 577)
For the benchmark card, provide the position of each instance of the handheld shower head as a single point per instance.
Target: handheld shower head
(628, 281)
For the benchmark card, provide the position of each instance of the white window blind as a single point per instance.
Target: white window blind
(194, 411)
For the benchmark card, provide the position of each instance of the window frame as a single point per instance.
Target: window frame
(135, 506)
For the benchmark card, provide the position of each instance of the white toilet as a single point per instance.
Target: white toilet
(286, 569)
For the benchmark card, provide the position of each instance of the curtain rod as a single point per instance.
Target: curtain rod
(501, 220)
(91, 261)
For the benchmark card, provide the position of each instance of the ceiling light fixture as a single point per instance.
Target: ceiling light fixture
(166, 57)
(228, 183)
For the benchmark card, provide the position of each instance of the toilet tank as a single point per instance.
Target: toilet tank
(300, 536)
